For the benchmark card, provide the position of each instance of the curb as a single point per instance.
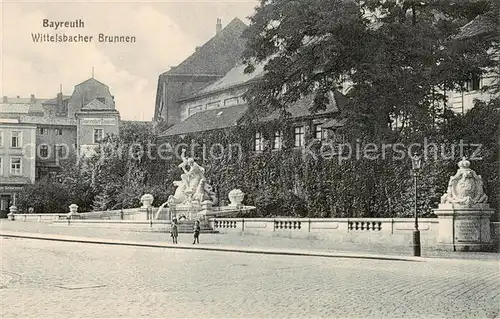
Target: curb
(283, 252)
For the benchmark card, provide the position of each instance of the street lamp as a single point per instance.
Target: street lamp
(416, 164)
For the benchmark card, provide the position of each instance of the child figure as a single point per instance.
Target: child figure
(174, 231)
(196, 230)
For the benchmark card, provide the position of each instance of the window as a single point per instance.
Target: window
(44, 151)
(58, 131)
(278, 140)
(258, 142)
(1, 166)
(231, 101)
(16, 139)
(15, 166)
(101, 99)
(319, 132)
(213, 105)
(43, 131)
(473, 84)
(59, 151)
(1, 138)
(98, 135)
(299, 136)
(195, 109)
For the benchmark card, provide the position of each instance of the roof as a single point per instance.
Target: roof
(95, 104)
(335, 123)
(91, 81)
(301, 108)
(15, 108)
(22, 105)
(481, 25)
(218, 55)
(209, 120)
(230, 116)
(235, 77)
(47, 120)
(54, 100)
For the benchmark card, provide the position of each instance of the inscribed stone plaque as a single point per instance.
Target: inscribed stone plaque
(467, 230)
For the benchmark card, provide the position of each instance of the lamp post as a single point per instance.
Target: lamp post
(416, 164)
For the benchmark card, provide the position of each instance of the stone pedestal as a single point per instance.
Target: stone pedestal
(464, 214)
(12, 211)
(464, 228)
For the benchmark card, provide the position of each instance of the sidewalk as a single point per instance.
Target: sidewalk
(226, 242)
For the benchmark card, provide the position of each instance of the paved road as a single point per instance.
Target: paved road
(56, 279)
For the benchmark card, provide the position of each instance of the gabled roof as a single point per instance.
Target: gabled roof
(91, 81)
(218, 55)
(95, 104)
(209, 120)
(301, 107)
(481, 25)
(235, 77)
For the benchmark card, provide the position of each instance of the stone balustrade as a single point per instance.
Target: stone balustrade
(225, 224)
(47, 217)
(383, 230)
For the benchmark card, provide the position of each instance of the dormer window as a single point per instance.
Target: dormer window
(319, 132)
(474, 84)
(258, 142)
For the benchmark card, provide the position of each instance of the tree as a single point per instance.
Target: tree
(44, 196)
(399, 57)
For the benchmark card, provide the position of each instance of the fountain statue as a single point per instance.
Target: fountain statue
(194, 197)
(193, 188)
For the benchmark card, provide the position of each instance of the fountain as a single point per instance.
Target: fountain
(194, 198)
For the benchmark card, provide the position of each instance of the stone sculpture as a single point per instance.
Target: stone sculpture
(193, 188)
(465, 187)
(236, 197)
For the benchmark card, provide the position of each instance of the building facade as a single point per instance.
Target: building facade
(207, 64)
(17, 160)
(37, 133)
(478, 87)
(222, 105)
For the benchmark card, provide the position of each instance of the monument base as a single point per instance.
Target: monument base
(463, 228)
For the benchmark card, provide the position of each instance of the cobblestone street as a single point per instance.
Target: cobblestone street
(53, 279)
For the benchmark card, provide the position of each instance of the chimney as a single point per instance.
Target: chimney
(218, 26)
(18, 97)
(59, 99)
(5, 99)
(197, 48)
(32, 99)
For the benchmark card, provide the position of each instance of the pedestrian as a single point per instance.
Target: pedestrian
(196, 230)
(174, 232)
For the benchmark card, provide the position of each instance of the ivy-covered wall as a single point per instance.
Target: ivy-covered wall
(306, 182)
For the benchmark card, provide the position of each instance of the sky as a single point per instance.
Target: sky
(166, 32)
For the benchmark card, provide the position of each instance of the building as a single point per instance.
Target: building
(207, 64)
(477, 87)
(37, 133)
(17, 160)
(221, 105)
